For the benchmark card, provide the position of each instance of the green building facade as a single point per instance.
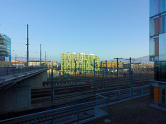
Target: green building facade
(84, 63)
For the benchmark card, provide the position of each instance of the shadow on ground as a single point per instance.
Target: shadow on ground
(136, 111)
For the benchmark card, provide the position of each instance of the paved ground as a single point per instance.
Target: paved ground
(136, 111)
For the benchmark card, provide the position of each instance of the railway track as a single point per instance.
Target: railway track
(65, 115)
(73, 113)
(67, 92)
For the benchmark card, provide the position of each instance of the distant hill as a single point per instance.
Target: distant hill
(144, 59)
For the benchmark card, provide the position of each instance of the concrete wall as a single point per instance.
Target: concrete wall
(18, 97)
(15, 98)
(36, 81)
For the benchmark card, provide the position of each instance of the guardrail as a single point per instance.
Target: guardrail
(4, 71)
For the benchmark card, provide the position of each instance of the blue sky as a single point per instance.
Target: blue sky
(108, 28)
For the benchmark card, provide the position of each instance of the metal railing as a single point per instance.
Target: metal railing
(5, 71)
(79, 113)
(124, 94)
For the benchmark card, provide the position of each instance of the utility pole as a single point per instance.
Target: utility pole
(63, 66)
(79, 70)
(45, 58)
(106, 73)
(75, 71)
(15, 59)
(85, 71)
(103, 73)
(27, 47)
(94, 75)
(131, 83)
(52, 88)
(40, 55)
(117, 74)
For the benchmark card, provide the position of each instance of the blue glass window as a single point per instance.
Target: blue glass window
(162, 5)
(154, 7)
(151, 27)
(151, 47)
(162, 47)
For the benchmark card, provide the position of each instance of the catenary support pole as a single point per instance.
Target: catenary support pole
(52, 91)
(75, 71)
(85, 71)
(94, 76)
(106, 73)
(27, 47)
(117, 75)
(131, 82)
(40, 55)
(45, 58)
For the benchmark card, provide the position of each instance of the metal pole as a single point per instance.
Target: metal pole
(131, 85)
(75, 71)
(94, 75)
(45, 58)
(40, 55)
(106, 73)
(131, 82)
(79, 70)
(15, 59)
(27, 47)
(148, 73)
(63, 67)
(98, 78)
(52, 92)
(85, 71)
(103, 74)
(117, 77)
